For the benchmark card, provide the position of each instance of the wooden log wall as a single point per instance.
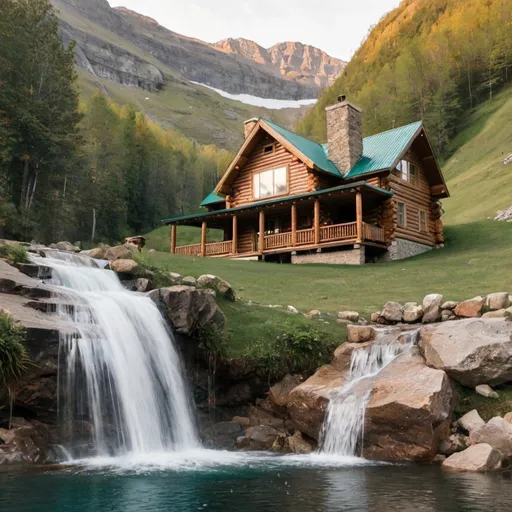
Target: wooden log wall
(299, 179)
(415, 197)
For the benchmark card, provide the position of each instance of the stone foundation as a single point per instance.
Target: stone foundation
(401, 249)
(354, 256)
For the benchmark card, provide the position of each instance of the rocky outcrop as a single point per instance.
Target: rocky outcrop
(409, 410)
(472, 351)
(187, 308)
(480, 457)
(125, 266)
(471, 421)
(470, 308)
(497, 433)
(121, 252)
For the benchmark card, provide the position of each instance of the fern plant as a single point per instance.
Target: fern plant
(14, 359)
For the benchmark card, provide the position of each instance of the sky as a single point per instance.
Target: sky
(335, 26)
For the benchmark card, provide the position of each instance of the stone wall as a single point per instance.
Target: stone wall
(354, 256)
(401, 249)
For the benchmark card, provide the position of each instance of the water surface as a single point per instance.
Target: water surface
(227, 482)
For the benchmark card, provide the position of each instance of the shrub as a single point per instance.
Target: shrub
(15, 253)
(13, 355)
(302, 349)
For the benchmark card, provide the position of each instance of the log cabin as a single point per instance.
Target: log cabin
(353, 200)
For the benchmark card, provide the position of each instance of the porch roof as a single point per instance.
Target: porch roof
(365, 187)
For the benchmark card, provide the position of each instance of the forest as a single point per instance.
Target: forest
(85, 172)
(428, 59)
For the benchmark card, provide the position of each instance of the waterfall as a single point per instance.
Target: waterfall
(120, 370)
(343, 426)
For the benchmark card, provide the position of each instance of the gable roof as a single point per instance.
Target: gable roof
(315, 152)
(382, 150)
(212, 198)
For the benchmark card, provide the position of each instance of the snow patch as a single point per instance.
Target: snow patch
(256, 101)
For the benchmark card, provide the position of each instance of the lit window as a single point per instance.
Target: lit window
(401, 215)
(270, 183)
(423, 220)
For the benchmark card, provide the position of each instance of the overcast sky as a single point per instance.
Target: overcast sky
(335, 26)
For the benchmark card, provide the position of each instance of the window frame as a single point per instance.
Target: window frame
(423, 228)
(405, 174)
(286, 192)
(404, 225)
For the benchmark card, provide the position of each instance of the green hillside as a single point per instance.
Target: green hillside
(479, 183)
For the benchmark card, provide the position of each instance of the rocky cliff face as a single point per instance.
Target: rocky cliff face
(131, 49)
(294, 61)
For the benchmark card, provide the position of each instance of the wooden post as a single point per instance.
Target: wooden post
(359, 217)
(316, 221)
(294, 225)
(173, 238)
(234, 238)
(203, 239)
(262, 232)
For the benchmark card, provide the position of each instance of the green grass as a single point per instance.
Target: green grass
(475, 260)
(159, 239)
(467, 400)
(479, 183)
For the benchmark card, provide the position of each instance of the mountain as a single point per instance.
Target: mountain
(295, 61)
(427, 59)
(133, 59)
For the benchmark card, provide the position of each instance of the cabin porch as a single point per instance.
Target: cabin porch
(322, 221)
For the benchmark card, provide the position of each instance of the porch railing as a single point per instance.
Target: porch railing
(219, 248)
(278, 240)
(373, 233)
(338, 232)
(305, 236)
(189, 250)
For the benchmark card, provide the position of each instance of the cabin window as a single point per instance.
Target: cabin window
(268, 149)
(270, 183)
(401, 215)
(407, 171)
(423, 221)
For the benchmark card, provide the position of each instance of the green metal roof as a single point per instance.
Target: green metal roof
(314, 151)
(380, 151)
(284, 199)
(212, 198)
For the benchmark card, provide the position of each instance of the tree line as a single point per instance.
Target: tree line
(82, 171)
(429, 59)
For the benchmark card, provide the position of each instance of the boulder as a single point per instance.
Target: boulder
(29, 443)
(189, 281)
(432, 308)
(447, 315)
(226, 290)
(307, 403)
(313, 314)
(409, 411)
(351, 316)
(293, 444)
(449, 305)
(360, 333)
(497, 433)
(223, 435)
(377, 318)
(120, 252)
(412, 312)
(66, 246)
(97, 253)
(479, 457)
(142, 284)
(499, 313)
(188, 309)
(472, 351)
(259, 416)
(496, 301)
(124, 266)
(455, 443)
(508, 417)
(392, 312)
(292, 309)
(486, 390)
(470, 308)
(262, 437)
(471, 421)
(174, 277)
(242, 421)
(207, 281)
(279, 393)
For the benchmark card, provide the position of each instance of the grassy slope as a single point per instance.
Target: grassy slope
(478, 181)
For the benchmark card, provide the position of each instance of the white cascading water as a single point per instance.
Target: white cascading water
(343, 428)
(122, 371)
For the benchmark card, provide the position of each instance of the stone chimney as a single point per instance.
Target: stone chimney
(344, 134)
(249, 125)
